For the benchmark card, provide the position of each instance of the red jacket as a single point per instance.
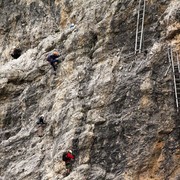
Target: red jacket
(70, 156)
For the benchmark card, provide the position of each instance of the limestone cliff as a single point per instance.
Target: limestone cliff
(115, 110)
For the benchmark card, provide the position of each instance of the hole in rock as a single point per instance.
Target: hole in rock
(16, 53)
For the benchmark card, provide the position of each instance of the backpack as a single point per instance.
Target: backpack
(49, 57)
(64, 156)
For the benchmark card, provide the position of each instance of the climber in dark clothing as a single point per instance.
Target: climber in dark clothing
(41, 124)
(68, 158)
(41, 120)
(52, 59)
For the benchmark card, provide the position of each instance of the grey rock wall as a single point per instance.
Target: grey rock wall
(115, 110)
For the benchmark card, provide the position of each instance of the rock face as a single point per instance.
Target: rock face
(115, 110)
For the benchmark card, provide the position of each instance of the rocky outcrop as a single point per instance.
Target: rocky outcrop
(115, 110)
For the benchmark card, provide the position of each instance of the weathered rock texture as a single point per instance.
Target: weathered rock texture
(116, 111)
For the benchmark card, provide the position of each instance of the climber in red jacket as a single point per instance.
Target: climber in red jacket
(68, 158)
